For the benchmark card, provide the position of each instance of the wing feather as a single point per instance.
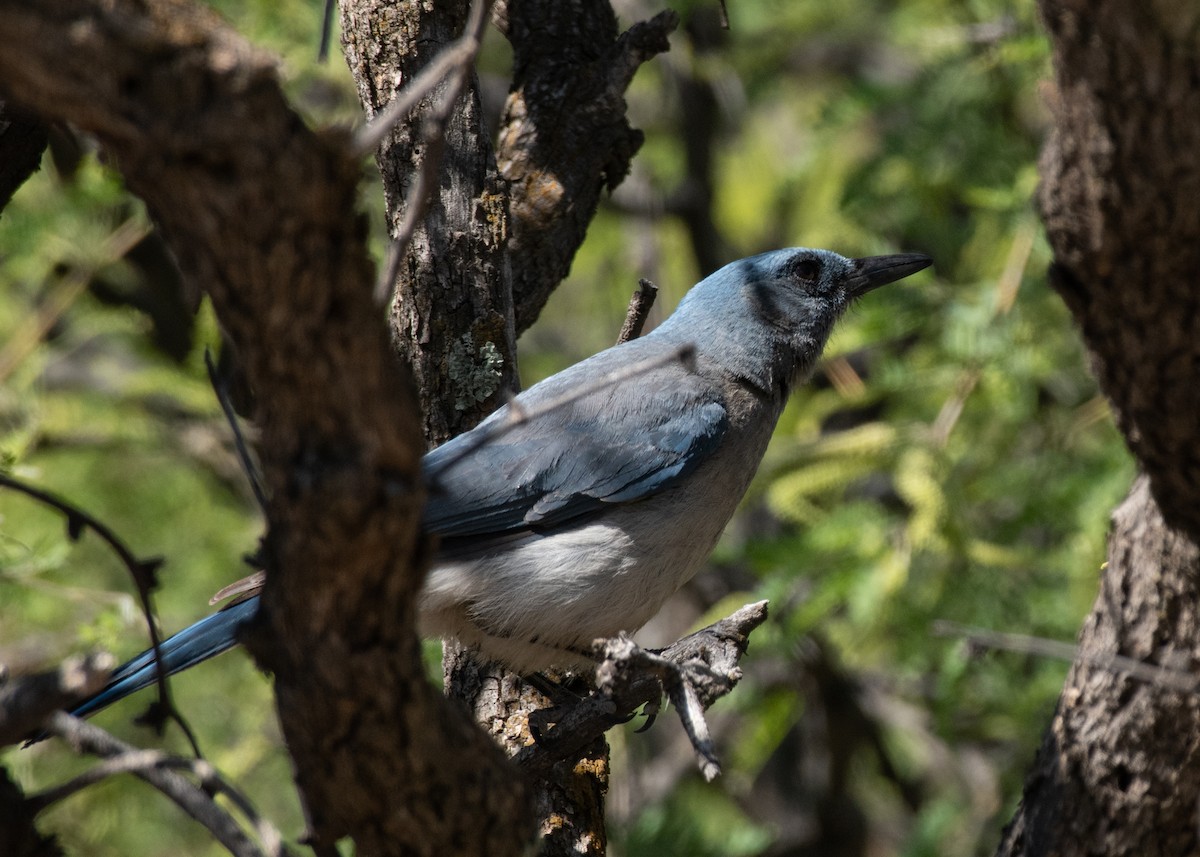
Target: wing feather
(618, 444)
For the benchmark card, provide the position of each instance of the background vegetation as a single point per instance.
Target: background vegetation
(952, 462)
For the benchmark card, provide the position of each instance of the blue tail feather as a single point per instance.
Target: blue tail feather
(205, 639)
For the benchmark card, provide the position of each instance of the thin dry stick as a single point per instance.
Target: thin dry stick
(691, 715)
(1183, 682)
(239, 440)
(680, 679)
(326, 31)
(696, 671)
(454, 62)
(517, 415)
(433, 134)
(1006, 294)
(458, 57)
(640, 304)
(134, 762)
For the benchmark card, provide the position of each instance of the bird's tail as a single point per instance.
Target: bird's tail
(206, 639)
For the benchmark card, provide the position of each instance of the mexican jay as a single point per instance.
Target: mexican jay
(580, 521)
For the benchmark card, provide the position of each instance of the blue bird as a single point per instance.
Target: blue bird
(581, 522)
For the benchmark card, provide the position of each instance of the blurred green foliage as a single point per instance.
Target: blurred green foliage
(951, 462)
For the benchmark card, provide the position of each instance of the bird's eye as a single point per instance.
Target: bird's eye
(806, 269)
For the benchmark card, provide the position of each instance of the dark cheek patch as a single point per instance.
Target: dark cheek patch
(765, 302)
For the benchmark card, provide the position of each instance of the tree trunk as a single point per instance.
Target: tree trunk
(452, 318)
(489, 250)
(1118, 771)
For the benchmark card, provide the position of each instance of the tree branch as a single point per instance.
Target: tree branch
(1120, 174)
(145, 579)
(640, 304)
(452, 317)
(157, 770)
(564, 137)
(260, 211)
(695, 671)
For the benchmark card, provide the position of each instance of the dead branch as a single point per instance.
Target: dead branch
(695, 671)
(640, 305)
(159, 770)
(564, 137)
(1179, 680)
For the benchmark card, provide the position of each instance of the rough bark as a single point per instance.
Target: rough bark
(260, 212)
(568, 795)
(1121, 176)
(452, 315)
(1118, 771)
(564, 137)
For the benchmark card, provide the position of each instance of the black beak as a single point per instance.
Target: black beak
(871, 272)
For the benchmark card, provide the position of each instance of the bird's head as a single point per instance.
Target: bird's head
(769, 316)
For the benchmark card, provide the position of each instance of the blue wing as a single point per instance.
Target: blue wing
(618, 444)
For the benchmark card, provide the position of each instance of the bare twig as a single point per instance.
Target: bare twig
(844, 378)
(455, 62)
(433, 137)
(143, 572)
(640, 304)
(1007, 285)
(683, 696)
(1177, 680)
(239, 440)
(695, 671)
(952, 408)
(326, 30)
(452, 66)
(157, 769)
(456, 58)
(517, 415)
(133, 762)
(26, 701)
